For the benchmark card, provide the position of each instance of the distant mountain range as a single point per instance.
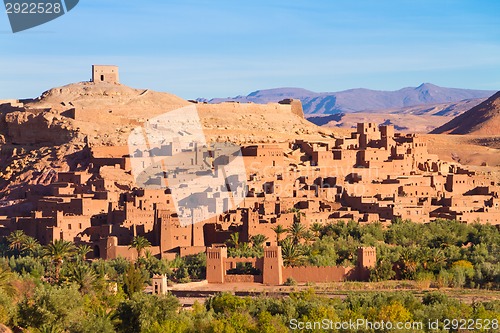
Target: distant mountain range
(364, 100)
(483, 119)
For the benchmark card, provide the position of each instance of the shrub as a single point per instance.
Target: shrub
(424, 279)
(290, 282)
(51, 306)
(142, 311)
(443, 279)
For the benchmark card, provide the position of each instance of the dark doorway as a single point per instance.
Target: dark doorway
(102, 77)
(97, 252)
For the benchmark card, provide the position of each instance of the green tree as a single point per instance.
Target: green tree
(296, 231)
(322, 253)
(6, 286)
(139, 243)
(58, 251)
(383, 271)
(142, 311)
(291, 252)
(258, 241)
(31, 245)
(51, 306)
(279, 230)
(316, 228)
(196, 265)
(101, 321)
(84, 277)
(234, 240)
(408, 263)
(82, 251)
(133, 281)
(308, 237)
(16, 240)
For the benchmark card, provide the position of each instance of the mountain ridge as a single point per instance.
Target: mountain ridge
(359, 99)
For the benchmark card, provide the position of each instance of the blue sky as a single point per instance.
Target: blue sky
(198, 48)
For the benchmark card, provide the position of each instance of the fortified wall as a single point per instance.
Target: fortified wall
(273, 272)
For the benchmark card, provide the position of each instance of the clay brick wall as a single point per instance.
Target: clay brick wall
(243, 278)
(72, 226)
(316, 274)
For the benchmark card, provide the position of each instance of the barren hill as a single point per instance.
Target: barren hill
(104, 114)
(52, 133)
(483, 119)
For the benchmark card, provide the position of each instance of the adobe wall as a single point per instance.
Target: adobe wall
(247, 108)
(275, 273)
(109, 249)
(316, 274)
(191, 250)
(243, 278)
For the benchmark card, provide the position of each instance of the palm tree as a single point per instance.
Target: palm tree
(279, 230)
(308, 237)
(30, 245)
(59, 250)
(16, 240)
(84, 276)
(139, 243)
(297, 231)
(82, 251)
(298, 214)
(291, 252)
(258, 240)
(436, 260)
(234, 240)
(316, 228)
(408, 264)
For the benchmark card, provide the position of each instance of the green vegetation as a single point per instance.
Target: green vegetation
(439, 254)
(54, 288)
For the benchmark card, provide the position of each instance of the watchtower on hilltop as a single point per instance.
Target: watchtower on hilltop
(105, 73)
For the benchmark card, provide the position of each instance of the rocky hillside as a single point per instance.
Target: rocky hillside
(53, 132)
(483, 119)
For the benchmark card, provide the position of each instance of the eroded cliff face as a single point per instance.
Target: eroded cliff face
(27, 127)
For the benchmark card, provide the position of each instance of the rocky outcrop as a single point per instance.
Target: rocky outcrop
(24, 127)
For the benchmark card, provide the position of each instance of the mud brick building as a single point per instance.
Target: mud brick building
(374, 174)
